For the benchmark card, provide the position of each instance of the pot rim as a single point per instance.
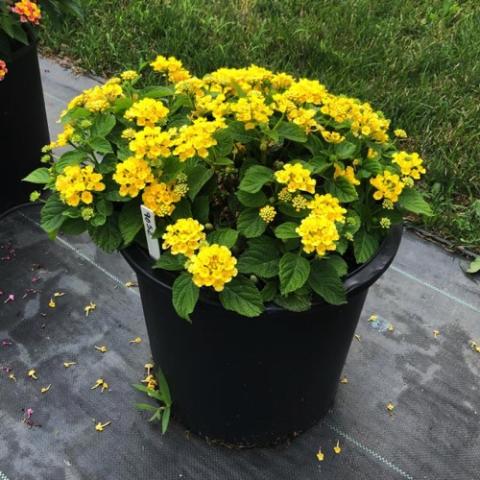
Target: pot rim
(360, 278)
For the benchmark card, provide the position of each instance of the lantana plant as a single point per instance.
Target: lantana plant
(267, 189)
(17, 17)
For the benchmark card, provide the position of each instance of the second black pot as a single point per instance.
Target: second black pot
(253, 381)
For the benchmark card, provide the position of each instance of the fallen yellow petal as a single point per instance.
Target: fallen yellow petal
(131, 284)
(344, 380)
(390, 327)
(101, 348)
(136, 340)
(357, 337)
(320, 455)
(337, 449)
(104, 387)
(32, 374)
(97, 383)
(89, 308)
(52, 303)
(12, 377)
(69, 364)
(45, 389)
(99, 427)
(436, 333)
(373, 317)
(58, 294)
(148, 367)
(390, 407)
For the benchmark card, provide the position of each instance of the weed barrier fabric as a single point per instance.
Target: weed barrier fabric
(433, 381)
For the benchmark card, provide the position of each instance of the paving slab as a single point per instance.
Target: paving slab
(433, 380)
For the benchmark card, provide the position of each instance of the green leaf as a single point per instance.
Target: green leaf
(164, 388)
(286, 230)
(365, 245)
(269, 291)
(130, 221)
(239, 134)
(40, 175)
(100, 145)
(291, 131)
(158, 92)
(170, 262)
(372, 166)
(474, 267)
(184, 295)
(146, 407)
(413, 201)
(258, 199)
(197, 178)
(165, 420)
(182, 209)
(73, 226)
(250, 224)
(352, 222)
(107, 236)
(103, 125)
(223, 236)
(51, 217)
(345, 150)
(319, 164)
(255, 178)
(294, 302)
(261, 258)
(338, 263)
(201, 208)
(325, 282)
(242, 296)
(73, 157)
(293, 272)
(342, 189)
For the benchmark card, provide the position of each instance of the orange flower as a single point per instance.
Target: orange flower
(28, 11)
(3, 70)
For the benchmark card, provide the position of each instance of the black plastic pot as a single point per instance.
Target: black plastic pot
(23, 124)
(253, 381)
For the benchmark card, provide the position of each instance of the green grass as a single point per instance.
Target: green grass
(417, 60)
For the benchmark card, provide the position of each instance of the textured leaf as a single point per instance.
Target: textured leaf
(474, 267)
(130, 221)
(242, 296)
(286, 230)
(108, 236)
(342, 189)
(258, 199)
(261, 258)
(51, 217)
(345, 150)
(413, 201)
(269, 290)
(184, 295)
(325, 282)
(338, 263)
(291, 131)
(255, 178)
(250, 224)
(40, 176)
(73, 157)
(100, 145)
(103, 125)
(365, 245)
(294, 302)
(197, 178)
(170, 262)
(293, 272)
(223, 236)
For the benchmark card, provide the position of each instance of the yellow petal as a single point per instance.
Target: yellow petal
(58, 294)
(101, 348)
(390, 407)
(69, 364)
(436, 333)
(136, 340)
(100, 427)
(337, 449)
(12, 377)
(32, 373)
(131, 284)
(390, 327)
(52, 303)
(344, 380)
(357, 337)
(373, 317)
(45, 389)
(320, 455)
(89, 308)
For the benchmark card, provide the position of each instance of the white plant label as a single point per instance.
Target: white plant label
(150, 227)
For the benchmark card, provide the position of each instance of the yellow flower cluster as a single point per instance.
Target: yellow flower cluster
(331, 137)
(327, 206)
(347, 173)
(62, 139)
(296, 177)
(98, 98)
(267, 213)
(132, 175)
(147, 112)
(318, 234)
(307, 91)
(216, 105)
(184, 237)
(388, 185)
(410, 164)
(77, 183)
(161, 198)
(171, 67)
(400, 133)
(151, 143)
(129, 75)
(252, 110)
(213, 266)
(196, 139)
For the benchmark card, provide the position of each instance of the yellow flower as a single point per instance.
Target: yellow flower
(400, 133)
(320, 455)
(303, 117)
(129, 75)
(133, 174)
(217, 105)
(372, 153)
(318, 234)
(196, 139)
(267, 213)
(307, 91)
(147, 112)
(98, 98)
(385, 222)
(152, 143)
(411, 165)
(347, 173)
(332, 137)
(184, 237)
(160, 198)
(252, 110)
(129, 134)
(281, 81)
(327, 206)
(89, 308)
(388, 185)
(100, 427)
(213, 266)
(172, 67)
(299, 203)
(28, 11)
(284, 195)
(296, 177)
(76, 183)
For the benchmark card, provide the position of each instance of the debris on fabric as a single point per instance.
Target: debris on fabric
(474, 346)
(45, 389)
(69, 364)
(390, 407)
(131, 284)
(344, 380)
(320, 455)
(10, 298)
(436, 333)
(89, 308)
(100, 427)
(32, 373)
(100, 383)
(357, 337)
(337, 449)
(101, 348)
(136, 340)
